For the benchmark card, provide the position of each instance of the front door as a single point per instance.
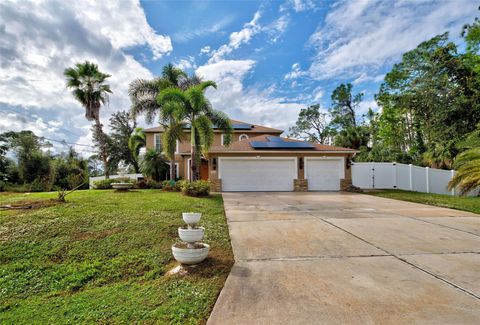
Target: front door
(204, 170)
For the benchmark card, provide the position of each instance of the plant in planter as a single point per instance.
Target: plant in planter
(191, 250)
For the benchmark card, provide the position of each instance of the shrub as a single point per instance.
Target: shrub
(104, 184)
(3, 186)
(42, 184)
(154, 184)
(196, 188)
(140, 184)
(170, 186)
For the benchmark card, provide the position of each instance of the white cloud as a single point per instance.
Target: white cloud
(39, 40)
(365, 105)
(364, 77)
(295, 73)
(186, 63)
(205, 50)
(277, 28)
(274, 30)
(127, 27)
(251, 104)
(195, 32)
(299, 5)
(318, 94)
(238, 38)
(361, 36)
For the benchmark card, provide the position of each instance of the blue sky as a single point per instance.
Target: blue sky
(269, 58)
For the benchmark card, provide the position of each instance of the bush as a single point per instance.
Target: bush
(42, 184)
(141, 184)
(3, 186)
(154, 184)
(196, 188)
(170, 186)
(104, 184)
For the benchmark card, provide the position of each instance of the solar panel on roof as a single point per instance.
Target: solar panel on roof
(281, 145)
(242, 126)
(274, 139)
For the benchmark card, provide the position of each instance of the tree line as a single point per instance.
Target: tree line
(429, 111)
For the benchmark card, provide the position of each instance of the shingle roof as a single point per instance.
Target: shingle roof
(255, 128)
(244, 146)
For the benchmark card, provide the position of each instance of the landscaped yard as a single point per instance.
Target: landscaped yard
(466, 203)
(102, 257)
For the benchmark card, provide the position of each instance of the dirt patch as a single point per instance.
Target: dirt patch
(27, 205)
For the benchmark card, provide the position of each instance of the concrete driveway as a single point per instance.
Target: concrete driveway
(341, 258)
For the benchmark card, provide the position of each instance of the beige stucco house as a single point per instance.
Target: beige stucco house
(259, 159)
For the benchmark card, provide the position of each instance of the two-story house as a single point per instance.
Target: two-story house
(258, 159)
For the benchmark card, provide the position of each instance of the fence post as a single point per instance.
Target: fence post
(452, 175)
(427, 178)
(394, 174)
(410, 174)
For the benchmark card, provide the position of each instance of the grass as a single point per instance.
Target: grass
(102, 258)
(465, 203)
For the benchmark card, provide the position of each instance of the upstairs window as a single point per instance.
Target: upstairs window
(242, 137)
(222, 141)
(157, 143)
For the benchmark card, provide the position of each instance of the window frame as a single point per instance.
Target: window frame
(157, 142)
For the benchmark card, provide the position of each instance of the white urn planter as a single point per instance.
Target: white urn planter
(191, 235)
(191, 256)
(191, 218)
(191, 251)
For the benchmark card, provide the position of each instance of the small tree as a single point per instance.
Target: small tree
(312, 126)
(136, 142)
(154, 165)
(344, 107)
(467, 177)
(123, 126)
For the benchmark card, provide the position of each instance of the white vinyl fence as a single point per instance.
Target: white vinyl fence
(132, 176)
(378, 175)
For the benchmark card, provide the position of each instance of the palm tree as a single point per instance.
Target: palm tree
(153, 164)
(143, 94)
(195, 108)
(89, 87)
(136, 142)
(467, 177)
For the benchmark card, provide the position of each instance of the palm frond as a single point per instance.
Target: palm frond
(171, 94)
(222, 122)
(204, 127)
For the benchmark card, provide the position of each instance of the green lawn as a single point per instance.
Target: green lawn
(102, 258)
(466, 203)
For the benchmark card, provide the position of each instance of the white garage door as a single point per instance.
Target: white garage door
(257, 174)
(324, 174)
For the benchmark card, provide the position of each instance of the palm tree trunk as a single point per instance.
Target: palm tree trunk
(103, 147)
(172, 170)
(193, 155)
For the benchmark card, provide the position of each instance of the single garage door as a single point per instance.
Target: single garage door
(324, 174)
(257, 174)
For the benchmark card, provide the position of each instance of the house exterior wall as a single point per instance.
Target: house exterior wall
(300, 184)
(184, 147)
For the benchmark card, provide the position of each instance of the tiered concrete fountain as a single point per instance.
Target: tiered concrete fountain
(122, 171)
(192, 250)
